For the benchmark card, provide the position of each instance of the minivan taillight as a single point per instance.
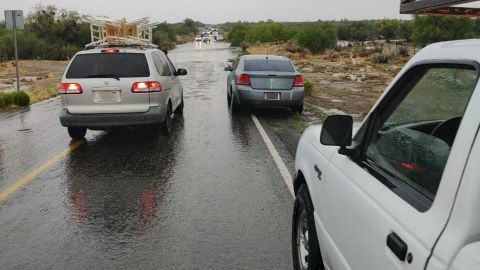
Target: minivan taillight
(146, 87)
(298, 82)
(243, 79)
(70, 88)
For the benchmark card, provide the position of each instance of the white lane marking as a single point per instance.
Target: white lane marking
(276, 157)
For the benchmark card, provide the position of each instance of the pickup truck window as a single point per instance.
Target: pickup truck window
(414, 142)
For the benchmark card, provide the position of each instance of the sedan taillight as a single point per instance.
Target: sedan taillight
(146, 87)
(243, 79)
(70, 88)
(298, 82)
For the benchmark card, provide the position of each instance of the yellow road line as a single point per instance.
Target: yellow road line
(31, 175)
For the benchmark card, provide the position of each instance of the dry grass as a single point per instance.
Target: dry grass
(42, 91)
(38, 78)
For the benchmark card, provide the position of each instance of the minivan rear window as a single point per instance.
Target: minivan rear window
(268, 65)
(105, 65)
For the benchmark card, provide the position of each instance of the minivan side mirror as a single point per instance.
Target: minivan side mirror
(337, 131)
(229, 68)
(182, 72)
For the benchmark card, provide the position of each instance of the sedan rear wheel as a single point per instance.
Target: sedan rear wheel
(297, 109)
(305, 247)
(234, 106)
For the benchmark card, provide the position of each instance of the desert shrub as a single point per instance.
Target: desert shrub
(268, 32)
(308, 88)
(403, 51)
(293, 47)
(6, 99)
(318, 37)
(21, 98)
(237, 34)
(431, 29)
(17, 98)
(385, 56)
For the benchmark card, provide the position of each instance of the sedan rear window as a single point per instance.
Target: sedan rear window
(269, 65)
(104, 65)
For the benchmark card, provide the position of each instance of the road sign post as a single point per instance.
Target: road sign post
(13, 21)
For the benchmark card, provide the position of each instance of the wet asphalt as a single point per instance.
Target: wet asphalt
(208, 197)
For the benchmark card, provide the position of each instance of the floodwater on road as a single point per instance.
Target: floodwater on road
(208, 197)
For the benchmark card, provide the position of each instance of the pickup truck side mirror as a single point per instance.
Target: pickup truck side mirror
(229, 68)
(337, 131)
(182, 72)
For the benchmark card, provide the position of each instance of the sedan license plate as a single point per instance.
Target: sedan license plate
(112, 96)
(272, 96)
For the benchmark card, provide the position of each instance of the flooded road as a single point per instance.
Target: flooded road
(208, 197)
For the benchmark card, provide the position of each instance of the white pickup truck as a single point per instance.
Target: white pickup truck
(402, 191)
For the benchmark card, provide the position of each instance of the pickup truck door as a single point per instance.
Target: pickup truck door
(383, 208)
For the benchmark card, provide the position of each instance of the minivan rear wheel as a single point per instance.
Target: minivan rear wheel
(166, 126)
(77, 132)
(305, 247)
(180, 107)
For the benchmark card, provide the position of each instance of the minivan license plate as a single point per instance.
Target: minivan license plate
(272, 96)
(110, 96)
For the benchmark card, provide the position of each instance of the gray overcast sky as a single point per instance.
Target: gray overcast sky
(217, 11)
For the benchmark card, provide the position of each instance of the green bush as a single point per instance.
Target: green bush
(429, 29)
(318, 37)
(18, 98)
(5, 99)
(21, 99)
(237, 34)
(268, 32)
(308, 88)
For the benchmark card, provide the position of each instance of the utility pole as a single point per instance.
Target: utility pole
(16, 49)
(13, 21)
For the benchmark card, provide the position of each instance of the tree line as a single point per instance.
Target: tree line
(318, 36)
(57, 34)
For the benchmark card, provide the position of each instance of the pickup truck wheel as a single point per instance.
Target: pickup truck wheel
(77, 133)
(305, 247)
(166, 126)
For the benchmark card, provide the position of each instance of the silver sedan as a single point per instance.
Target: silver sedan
(265, 80)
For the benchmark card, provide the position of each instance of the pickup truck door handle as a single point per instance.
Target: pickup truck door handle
(397, 246)
(319, 172)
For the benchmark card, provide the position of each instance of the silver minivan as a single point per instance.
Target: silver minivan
(112, 87)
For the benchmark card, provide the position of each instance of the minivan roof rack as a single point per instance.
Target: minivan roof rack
(121, 33)
(439, 7)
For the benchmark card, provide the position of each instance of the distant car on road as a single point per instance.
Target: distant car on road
(207, 39)
(265, 80)
(112, 87)
(220, 38)
(403, 192)
(198, 39)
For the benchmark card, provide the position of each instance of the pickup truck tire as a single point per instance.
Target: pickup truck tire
(77, 133)
(305, 247)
